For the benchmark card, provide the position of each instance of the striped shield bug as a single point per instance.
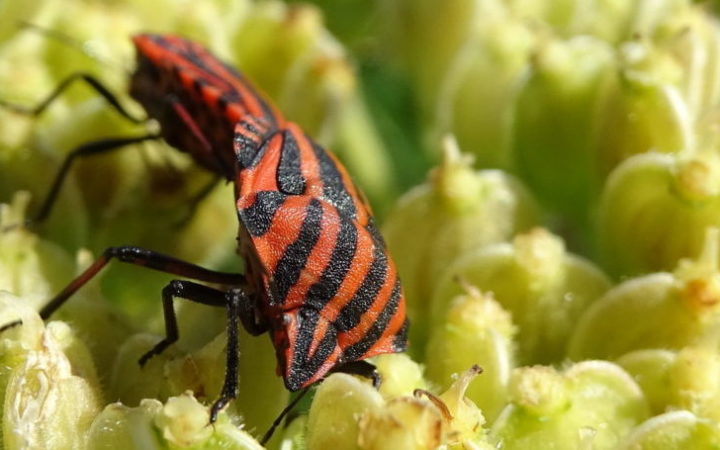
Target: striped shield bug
(318, 276)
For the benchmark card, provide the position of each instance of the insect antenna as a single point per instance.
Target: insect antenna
(268, 434)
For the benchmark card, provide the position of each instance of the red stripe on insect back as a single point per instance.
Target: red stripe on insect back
(369, 316)
(208, 98)
(317, 261)
(360, 265)
(199, 64)
(263, 176)
(331, 289)
(284, 230)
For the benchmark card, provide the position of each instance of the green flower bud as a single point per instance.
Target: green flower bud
(456, 211)
(545, 289)
(424, 55)
(340, 401)
(29, 266)
(673, 430)
(119, 426)
(182, 422)
(591, 405)
(400, 375)
(646, 111)
(37, 269)
(695, 383)
(608, 20)
(52, 397)
(540, 391)
(694, 44)
(293, 436)
(655, 209)
(126, 372)
(555, 122)
(678, 380)
(404, 422)
(476, 331)
(426, 421)
(14, 13)
(478, 90)
(260, 398)
(465, 424)
(650, 368)
(660, 310)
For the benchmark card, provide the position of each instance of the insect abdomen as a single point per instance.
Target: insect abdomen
(329, 282)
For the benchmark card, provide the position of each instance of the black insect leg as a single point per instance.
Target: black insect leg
(233, 299)
(86, 149)
(268, 434)
(252, 320)
(187, 290)
(141, 257)
(94, 83)
(361, 368)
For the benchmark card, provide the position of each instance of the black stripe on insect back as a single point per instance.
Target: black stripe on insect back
(400, 339)
(295, 257)
(290, 179)
(258, 217)
(303, 368)
(232, 95)
(353, 311)
(337, 269)
(378, 327)
(250, 144)
(334, 189)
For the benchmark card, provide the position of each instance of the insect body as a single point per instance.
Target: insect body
(197, 99)
(327, 284)
(319, 278)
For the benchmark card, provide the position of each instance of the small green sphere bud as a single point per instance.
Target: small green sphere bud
(400, 375)
(545, 288)
(340, 401)
(404, 422)
(650, 368)
(539, 390)
(592, 403)
(476, 331)
(660, 310)
(466, 420)
(457, 211)
(183, 421)
(673, 430)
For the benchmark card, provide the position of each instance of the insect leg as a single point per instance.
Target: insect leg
(94, 83)
(86, 149)
(140, 257)
(253, 322)
(186, 290)
(233, 299)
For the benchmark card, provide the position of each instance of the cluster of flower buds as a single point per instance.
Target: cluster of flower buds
(560, 262)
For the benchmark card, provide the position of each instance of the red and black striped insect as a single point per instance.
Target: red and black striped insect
(319, 278)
